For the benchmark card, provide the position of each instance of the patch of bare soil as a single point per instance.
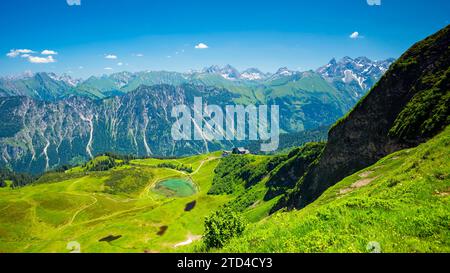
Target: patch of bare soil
(150, 251)
(443, 193)
(190, 240)
(365, 174)
(360, 183)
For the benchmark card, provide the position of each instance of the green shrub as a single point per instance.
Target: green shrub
(221, 226)
(102, 163)
(179, 167)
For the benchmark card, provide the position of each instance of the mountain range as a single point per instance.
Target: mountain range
(50, 86)
(50, 120)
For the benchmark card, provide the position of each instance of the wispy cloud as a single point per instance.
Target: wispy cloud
(138, 55)
(374, 2)
(111, 57)
(355, 35)
(73, 2)
(108, 68)
(49, 52)
(119, 63)
(28, 54)
(16, 52)
(201, 46)
(41, 60)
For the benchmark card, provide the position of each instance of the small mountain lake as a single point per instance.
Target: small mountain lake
(176, 187)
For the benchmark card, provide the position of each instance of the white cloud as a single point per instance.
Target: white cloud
(119, 63)
(49, 52)
(16, 52)
(108, 68)
(354, 35)
(201, 46)
(25, 55)
(374, 2)
(138, 55)
(111, 57)
(80, 67)
(41, 60)
(73, 2)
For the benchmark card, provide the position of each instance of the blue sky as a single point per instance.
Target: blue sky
(163, 34)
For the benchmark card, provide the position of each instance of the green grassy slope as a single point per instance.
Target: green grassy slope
(402, 202)
(87, 206)
(123, 201)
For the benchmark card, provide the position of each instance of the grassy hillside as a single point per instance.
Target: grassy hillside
(118, 205)
(401, 203)
(115, 204)
(144, 205)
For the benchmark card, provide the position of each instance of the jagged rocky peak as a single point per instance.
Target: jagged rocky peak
(284, 71)
(66, 78)
(228, 72)
(360, 65)
(24, 75)
(122, 78)
(253, 74)
(361, 70)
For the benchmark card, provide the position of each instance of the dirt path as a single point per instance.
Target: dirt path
(190, 240)
(81, 209)
(71, 189)
(203, 162)
(107, 217)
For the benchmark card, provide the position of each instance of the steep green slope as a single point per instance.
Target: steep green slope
(406, 107)
(401, 203)
(257, 182)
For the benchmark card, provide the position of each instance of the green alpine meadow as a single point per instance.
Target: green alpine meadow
(105, 147)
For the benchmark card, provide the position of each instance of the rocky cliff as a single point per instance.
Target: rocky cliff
(410, 104)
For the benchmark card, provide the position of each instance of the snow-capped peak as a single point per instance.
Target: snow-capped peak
(253, 74)
(64, 78)
(228, 72)
(284, 71)
(361, 70)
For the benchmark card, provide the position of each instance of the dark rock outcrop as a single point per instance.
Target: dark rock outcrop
(407, 106)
